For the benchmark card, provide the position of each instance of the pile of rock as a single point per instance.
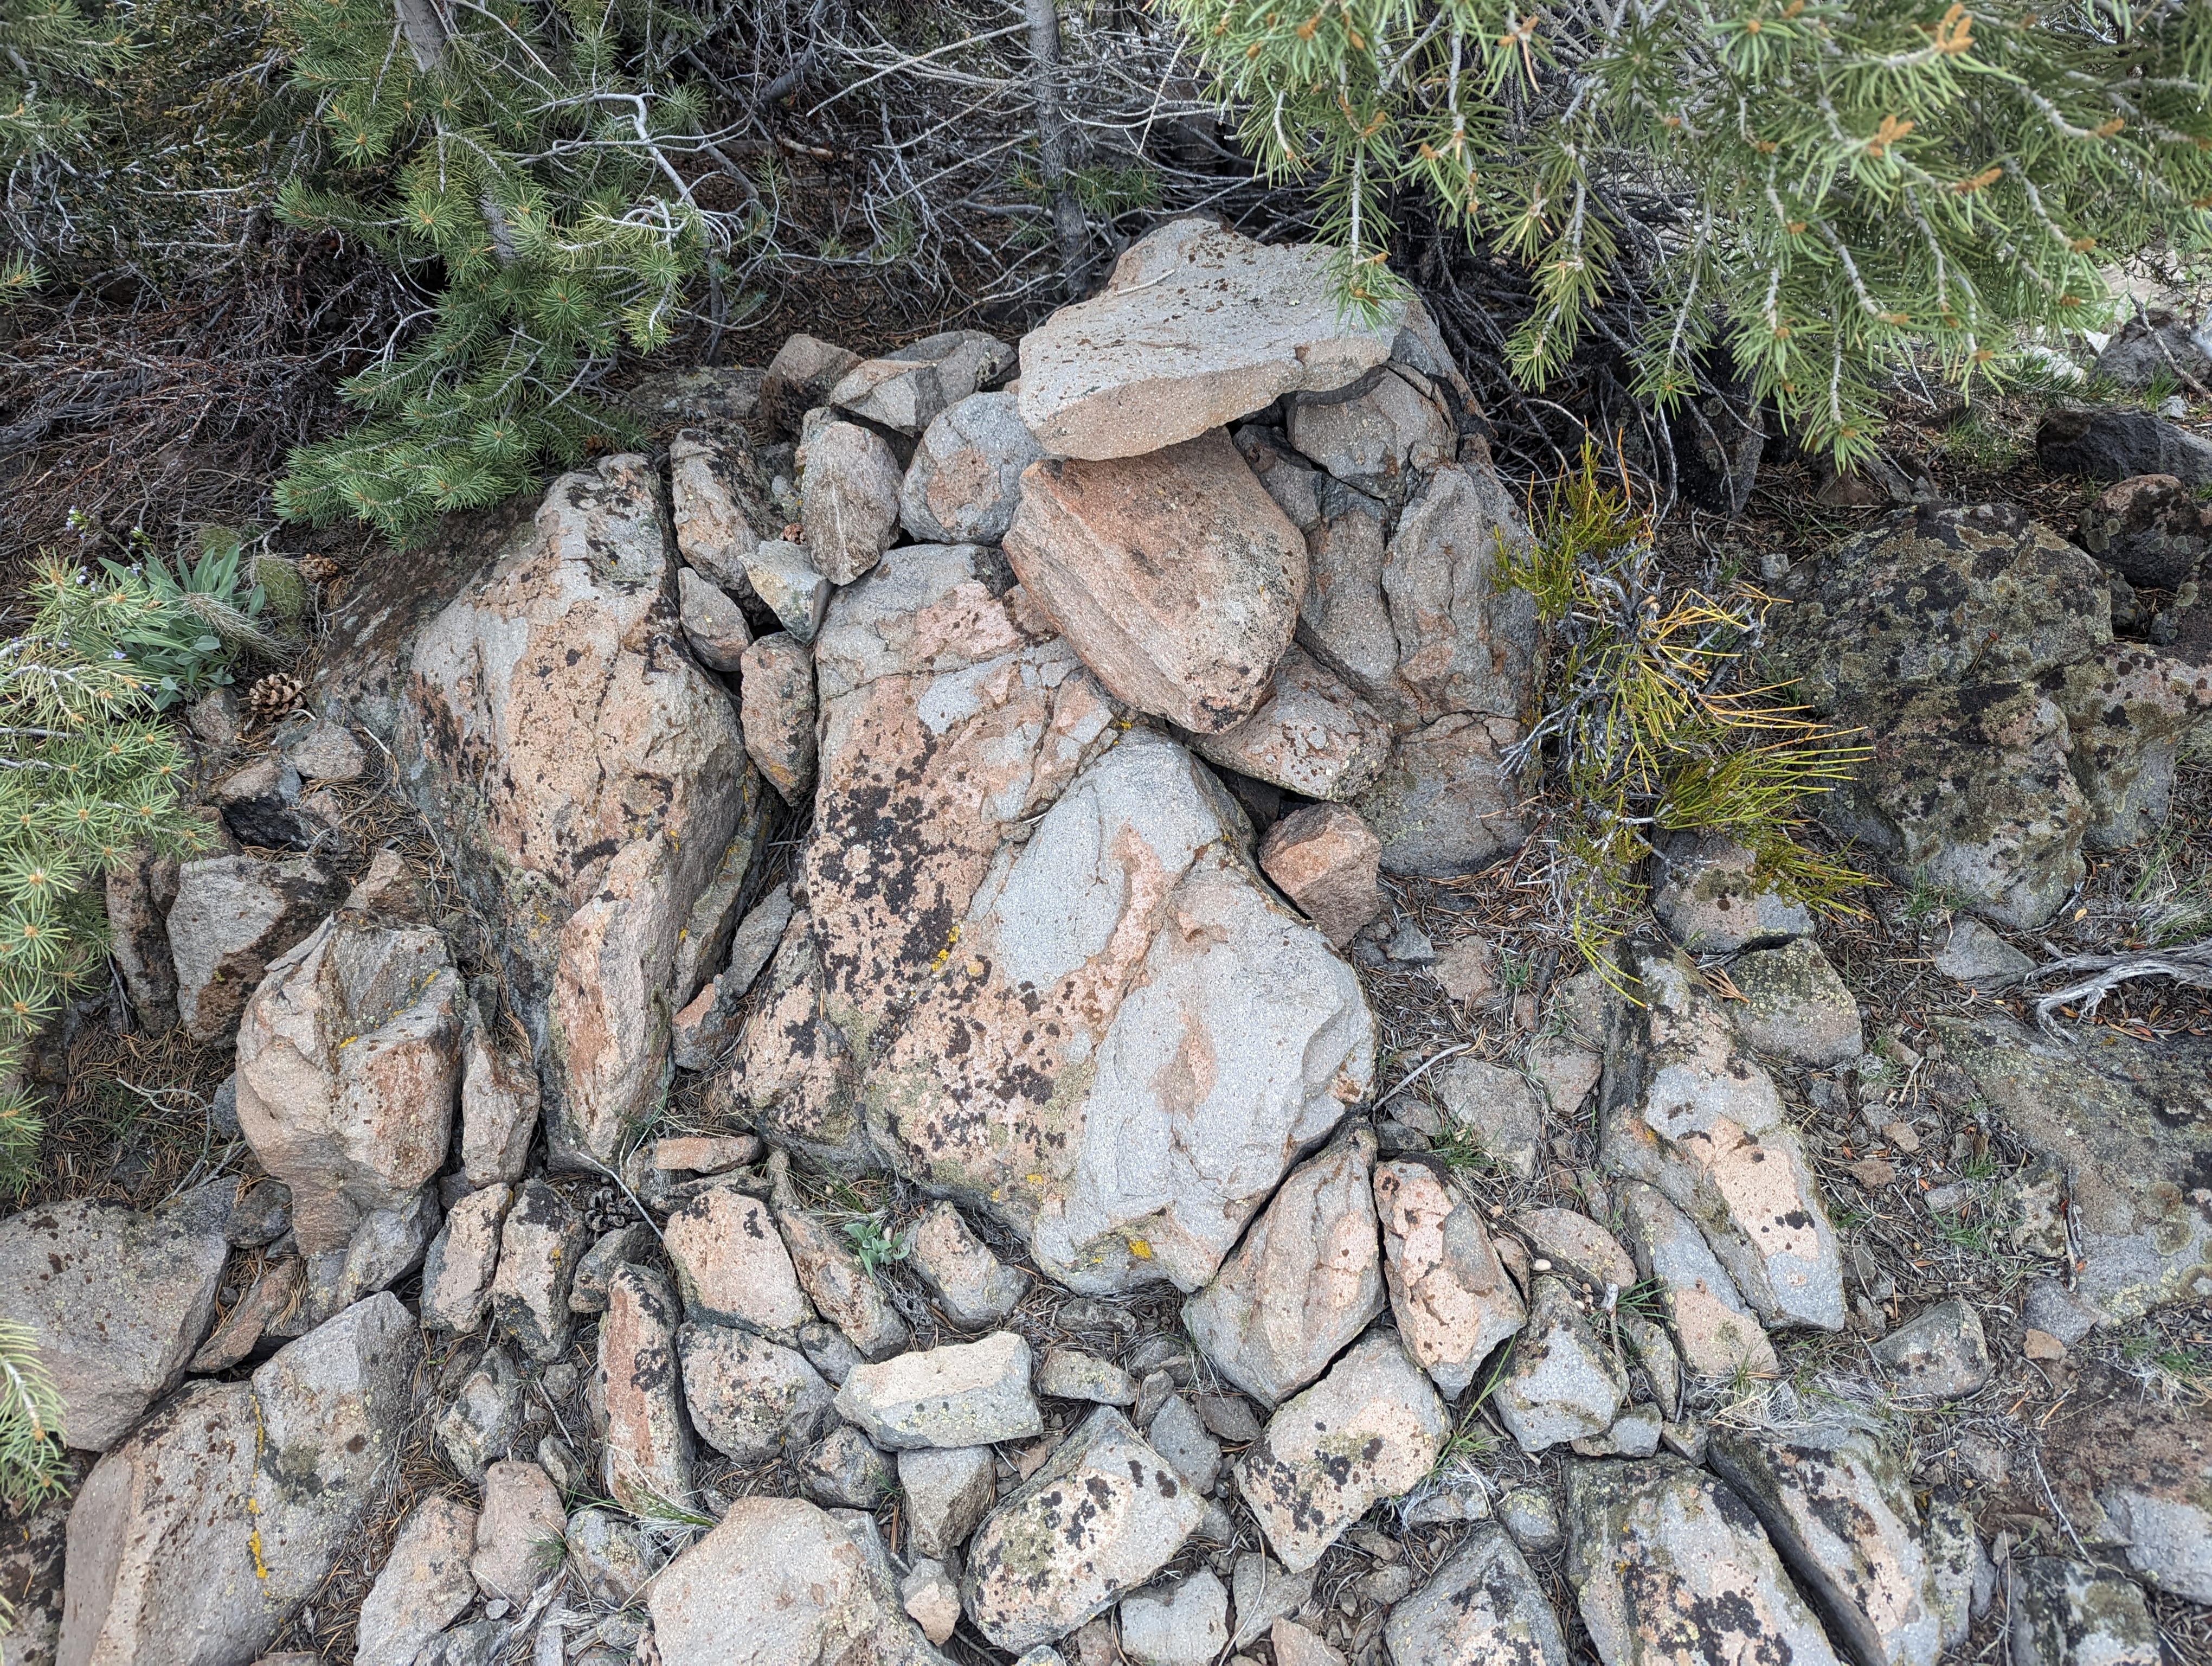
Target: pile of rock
(1107, 691)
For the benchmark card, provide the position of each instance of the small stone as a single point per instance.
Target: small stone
(1463, 968)
(973, 1286)
(1186, 1625)
(1484, 1607)
(1711, 899)
(848, 494)
(1717, 1333)
(776, 702)
(610, 1556)
(782, 575)
(1796, 1007)
(733, 1265)
(1327, 862)
(946, 1493)
(624, 1246)
(1447, 805)
(1575, 1244)
(499, 1109)
(1378, 435)
(540, 1243)
(1312, 735)
(2070, 1614)
(519, 1531)
(829, 1350)
(648, 1449)
(1071, 1374)
(2042, 1345)
(459, 1268)
(713, 624)
(847, 1471)
(1230, 1418)
(932, 1599)
(326, 752)
(1294, 1645)
(800, 377)
(1101, 1516)
(1530, 1518)
(1368, 1429)
(965, 480)
(1152, 1393)
(484, 1417)
(748, 1396)
(908, 389)
(2050, 1307)
(1940, 1353)
(1977, 957)
(844, 1292)
(1178, 1436)
(1561, 1384)
(970, 1394)
(1452, 1300)
(423, 1586)
(1499, 1107)
(1265, 1594)
(1634, 1434)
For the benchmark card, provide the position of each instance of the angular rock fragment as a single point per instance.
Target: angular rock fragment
(1178, 1436)
(1446, 806)
(1387, 429)
(2066, 1613)
(733, 1266)
(781, 1582)
(1453, 1301)
(1499, 1107)
(1718, 1333)
(800, 377)
(1939, 1354)
(965, 480)
(1713, 900)
(746, 1395)
(1327, 862)
(1686, 1112)
(908, 388)
(1173, 574)
(519, 1531)
(1366, 1431)
(1575, 1245)
(2115, 445)
(114, 1302)
(1312, 735)
(947, 1491)
(462, 1261)
(1484, 1607)
(647, 1446)
(1195, 327)
(1837, 1505)
(1187, 1624)
(1667, 1563)
(973, 1286)
(1796, 1007)
(966, 1393)
(423, 1586)
(484, 1416)
(713, 624)
(1071, 1374)
(1562, 1382)
(609, 1556)
(1466, 641)
(1306, 1279)
(1102, 1515)
(499, 1108)
(846, 1471)
(540, 1243)
(930, 1597)
(783, 575)
(776, 698)
(233, 916)
(724, 506)
(843, 1291)
(849, 495)
(2151, 529)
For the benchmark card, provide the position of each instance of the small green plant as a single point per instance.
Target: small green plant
(1926, 900)
(32, 1463)
(1650, 725)
(1458, 1147)
(1976, 442)
(86, 774)
(200, 619)
(874, 1246)
(2163, 385)
(1646, 1299)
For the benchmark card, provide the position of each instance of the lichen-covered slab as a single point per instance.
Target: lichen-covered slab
(1483, 1608)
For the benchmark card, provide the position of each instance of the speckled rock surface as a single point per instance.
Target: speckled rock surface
(1562, 1382)
(1453, 1301)
(1712, 1326)
(1794, 1007)
(1484, 1607)
(962, 1393)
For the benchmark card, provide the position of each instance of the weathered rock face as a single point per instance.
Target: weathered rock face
(423, 1585)
(1713, 900)
(840, 1288)
(1173, 574)
(849, 498)
(713, 624)
(1195, 327)
(349, 1067)
(777, 700)
(1668, 1564)
(746, 1394)
(1837, 1505)
(973, 1286)
(724, 506)
(484, 1416)
(1940, 1353)
(648, 1449)
(462, 1261)
(1715, 1330)
(141, 888)
(799, 378)
(591, 776)
(1447, 805)
(907, 389)
(1366, 1431)
(2133, 1125)
(2151, 529)
(2128, 710)
(1052, 1030)
(1796, 1007)
(1484, 1607)
(1306, 1279)
(1686, 1112)
(195, 1539)
(946, 1493)
(1562, 1382)
(232, 916)
(1378, 434)
(966, 476)
(1466, 643)
(1102, 1517)
(2115, 445)
(2072, 1614)
(1501, 1108)
(1313, 735)
(1453, 1301)
(964, 1393)
(732, 1264)
(115, 1301)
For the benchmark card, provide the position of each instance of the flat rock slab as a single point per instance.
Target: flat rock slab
(1669, 1565)
(1562, 1382)
(1687, 1111)
(1196, 327)
(780, 1582)
(1102, 1515)
(1367, 1431)
(1452, 1299)
(1712, 1326)
(1484, 1607)
(115, 1302)
(1173, 574)
(965, 1394)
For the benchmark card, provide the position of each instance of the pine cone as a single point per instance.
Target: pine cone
(272, 697)
(318, 569)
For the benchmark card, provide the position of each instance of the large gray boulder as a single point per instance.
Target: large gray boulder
(1040, 949)
(1667, 1562)
(115, 1301)
(1195, 326)
(589, 775)
(194, 1539)
(1102, 1515)
(1306, 1279)
(1686, 1110)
